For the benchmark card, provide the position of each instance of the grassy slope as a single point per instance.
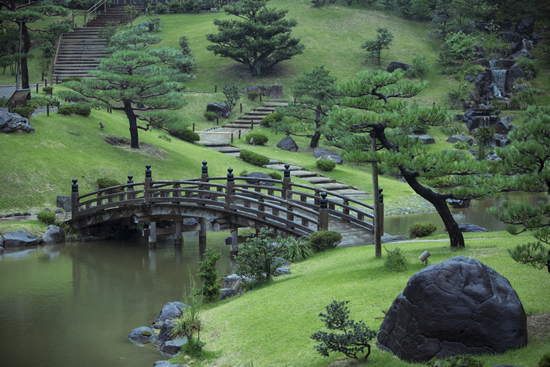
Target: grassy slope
(271, 326)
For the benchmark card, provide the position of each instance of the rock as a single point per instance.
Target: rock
(456, 138)
(389, 238)
(149, 26)
(54, 234)
(26, 214)
(525, 26)
(1, 247)
(456, 203)
(425, 139)
(169, 311)
(20, 239)
(58, 211)
(482, 81)
(227, 293)
(9, 215)
(510, 36)
(12, 122)
(503, 64)
(469, 78)
(287, 143)
(259, 182)
(165, 364)
(397, 65)
(459, 306)
(280, 261)
(503, 125)
(479, 51)
(323, 153)
(276, 91)
(172, 347)
(231, 279)
(468, 227)
(64, 202)
(283, 271)
(190, 221)
(165, 332)
(142, 335)
(17, 214)
(514, 73)
(220, 109)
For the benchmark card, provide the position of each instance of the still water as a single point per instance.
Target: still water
(74, 304)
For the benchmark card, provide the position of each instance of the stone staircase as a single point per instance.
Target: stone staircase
(82, 50)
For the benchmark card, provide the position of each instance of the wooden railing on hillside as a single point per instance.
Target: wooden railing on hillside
(302, 208)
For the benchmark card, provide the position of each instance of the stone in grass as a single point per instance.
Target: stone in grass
(287, 143)
(425, 139)
(323, 153)
(459, 306)
(142, 335)
(172, 347)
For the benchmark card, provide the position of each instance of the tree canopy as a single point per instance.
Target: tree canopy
(315, 94)
(139, 80)
(382, 42)
(260, 37)
(374, 106)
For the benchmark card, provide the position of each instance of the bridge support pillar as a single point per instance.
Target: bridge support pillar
(152, 234)
(178, 240)
(202, 231)
(234, 249)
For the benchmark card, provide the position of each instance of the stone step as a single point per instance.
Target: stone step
(303, 173)
(275, 104)
(353, 193)
(317, 179)
(333, 186)
(281, 167)
(228, 149)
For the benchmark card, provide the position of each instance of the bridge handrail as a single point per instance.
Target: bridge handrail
(276, 199)
(340, 196)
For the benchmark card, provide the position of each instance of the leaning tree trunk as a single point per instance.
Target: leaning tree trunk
(134, 137)
(317, 136)
(25, 49)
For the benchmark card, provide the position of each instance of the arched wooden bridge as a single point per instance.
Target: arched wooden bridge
(288, 208)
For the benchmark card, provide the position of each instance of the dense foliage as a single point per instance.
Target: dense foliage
(46, 217)
(395, 261)
(208, 274)
(324, 240)
(257, 257)
(422, 229)
(253, 158)
(382, 42)
(325, 165)
(256, 138)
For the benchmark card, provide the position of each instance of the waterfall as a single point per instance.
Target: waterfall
(491, 64)
(499, 81)
(527, 45)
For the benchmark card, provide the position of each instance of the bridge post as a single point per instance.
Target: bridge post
(323, 213)
(204, 174)
(148, 180)
(177, 236)
(286, 181)
(74, 198)
(377, 234)
(152, 234)
(202, 221)
(229, 188)
(234, 230)
(129, 189)
(381, 211)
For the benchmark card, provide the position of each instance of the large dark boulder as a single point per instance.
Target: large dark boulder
(397, 65)
(53, 234)
(1, 247)
(459, 306)
(169, 311)
(525, 26)
(503, 125)
(64, 202)
(259, 182)
(287, 143)
(12, 122)
(20, 239)
(456, 138)
(276, 91)
(515, 72)
(425, 139)
(172, 347)
(142, 335)
(323, 153)
(220, 109)
(469, 227)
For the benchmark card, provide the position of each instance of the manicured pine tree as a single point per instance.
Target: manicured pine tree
(382, 42)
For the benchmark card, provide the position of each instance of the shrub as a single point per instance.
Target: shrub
(253, 96)
(455, 128)
(185, 135)
(544, 361)
(419, 69)
(189, 324)
(421, 229)
(455, 361)
(25, 112)
(66, 109)
(256, 258)
(275, 175)
(70, 79)
(47, 90)
(325, 165)
(457, 46)
(105, 182)
(271, 118)
(353, 337)
(420, 128)
(253, 158)
(462, 145)
(82, 110)
(208, 273)
(527, 65)
(395, 260)
(210, 116)
(175, 6)
(231, 93)
(256, 139)
(295, 249)
(324, 240)
(46, 217)
(161, 8)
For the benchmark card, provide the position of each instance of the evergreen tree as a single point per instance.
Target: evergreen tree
(22, 14)
(375, 47)
(259, 39)
(375, 107)
(139, 80)
(315, 94)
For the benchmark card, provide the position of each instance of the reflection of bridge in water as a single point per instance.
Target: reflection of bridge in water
(288, 208)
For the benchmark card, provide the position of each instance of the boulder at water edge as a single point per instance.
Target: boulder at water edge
(169, 311)
(20, 239)
(142, 335)
(459, 306)
(53, 234)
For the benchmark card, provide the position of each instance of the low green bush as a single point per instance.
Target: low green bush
(25, 112)
(325, 165)
(253, 158)
(67, 109)
(295, 249)
(46, 217)
(455, 361)
(527, 65)
(420, 128)
(462, 145)
(324, 240)
(161, 9)
(82, 110)
(256, 139)
(275, 175)
(455, 128)
(395, 261)
(253, 96)
(185, 135)
(47, 90)
(544, 361)
(210, 116)
(419, 69)
(271, 118)
(422, 229)
(105, 182)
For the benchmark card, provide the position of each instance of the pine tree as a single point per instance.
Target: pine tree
(382, 42)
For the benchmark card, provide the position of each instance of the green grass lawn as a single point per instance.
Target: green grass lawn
(271, 326)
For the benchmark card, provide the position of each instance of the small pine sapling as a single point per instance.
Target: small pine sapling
(353, 337)
(208, 274)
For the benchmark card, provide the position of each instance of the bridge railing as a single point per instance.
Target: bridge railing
(303, 208)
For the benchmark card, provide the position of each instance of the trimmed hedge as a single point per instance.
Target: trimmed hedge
(253, 158)
(25, 112)
(325, 165)
(82, 110)
(46, 217)
(105, 182)
(185, 135)
(210, 116)
(47, 90)
(421, 229)
(259, 139)
(324, 240)
(67, 109)
(269, 119)
(253, 96)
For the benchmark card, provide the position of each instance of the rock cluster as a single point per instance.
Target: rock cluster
(275, 91)
(12, 122)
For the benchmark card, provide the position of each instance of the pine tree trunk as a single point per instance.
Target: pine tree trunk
(25, 49)
(317, 136)
(134, 137)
